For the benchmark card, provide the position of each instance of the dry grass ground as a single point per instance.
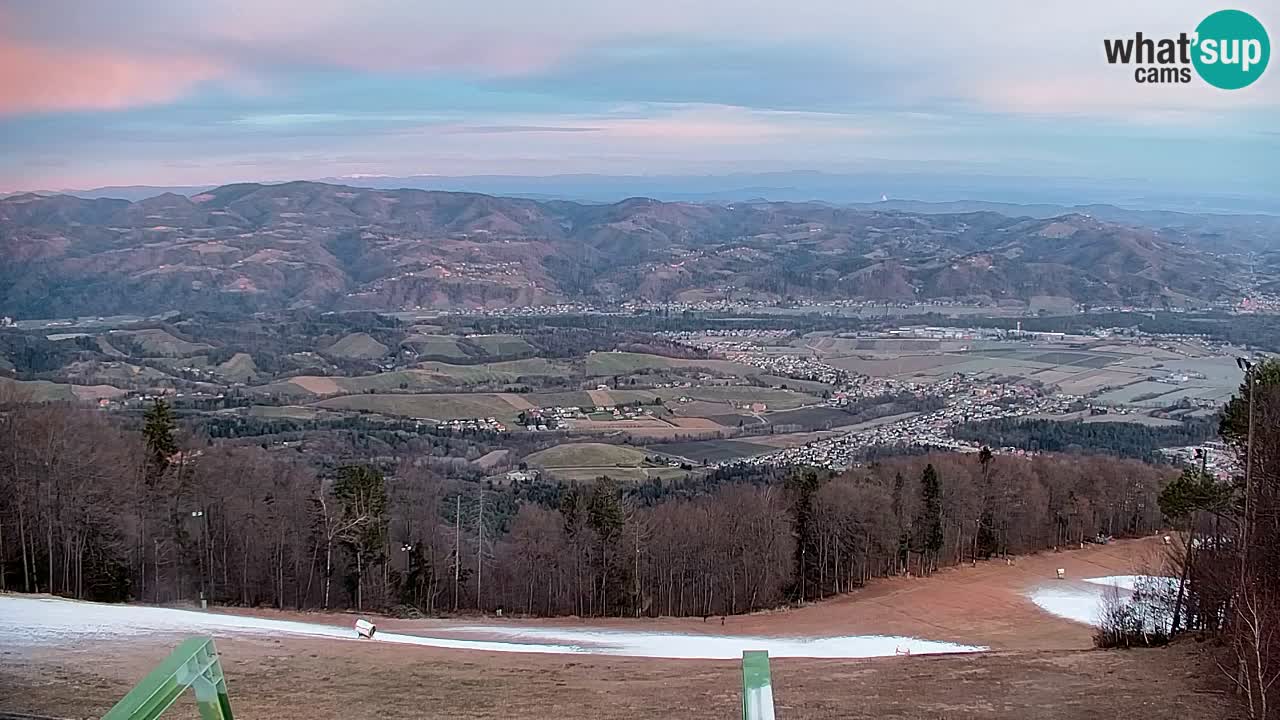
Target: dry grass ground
(1040, 666)
(304, 680)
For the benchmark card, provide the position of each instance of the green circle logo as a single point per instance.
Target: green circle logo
(1232, 49)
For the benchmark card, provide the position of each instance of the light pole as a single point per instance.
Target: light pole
(198, 516)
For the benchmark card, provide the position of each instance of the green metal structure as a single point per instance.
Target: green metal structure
(757, 687)
(193, 664)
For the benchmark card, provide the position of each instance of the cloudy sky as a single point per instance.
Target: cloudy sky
(165, 92)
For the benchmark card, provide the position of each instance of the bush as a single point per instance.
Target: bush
(1142, 620)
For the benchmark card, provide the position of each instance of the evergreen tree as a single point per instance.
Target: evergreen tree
(900, 514)
(986, 541)
(157, 433)
(361, 493)
(929, 522)
(606, 518)
(803, 486)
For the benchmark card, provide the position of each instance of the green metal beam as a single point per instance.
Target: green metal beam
(193, 664)
(757, 687)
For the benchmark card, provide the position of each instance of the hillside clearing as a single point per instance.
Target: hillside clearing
(588, 455)
(357, 346)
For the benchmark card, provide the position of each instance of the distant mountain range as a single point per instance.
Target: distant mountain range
(254, 246)
(1035, 196)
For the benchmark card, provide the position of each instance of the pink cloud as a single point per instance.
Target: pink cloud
(37, 79)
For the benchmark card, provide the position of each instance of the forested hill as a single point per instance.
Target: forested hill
(1125, 439)
(259, 247)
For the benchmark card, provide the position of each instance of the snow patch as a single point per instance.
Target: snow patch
(40, 622)
(1084, 601)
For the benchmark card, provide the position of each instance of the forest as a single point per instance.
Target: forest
(1227, 563)
(1124, 439)
(157, 512)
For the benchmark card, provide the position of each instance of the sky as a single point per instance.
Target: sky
(157, 92)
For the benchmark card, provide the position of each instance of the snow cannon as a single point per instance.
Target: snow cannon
(1062, 573)
(365, 629)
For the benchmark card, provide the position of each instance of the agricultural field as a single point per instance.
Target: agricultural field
(45, 391)
(435, 406)
(120, 374)
(240, 368)
(587, 455)
(357, 346)
(1113, 372)
(773, 398)
(290, 412)
(711, 451)
(436, 346)
(423, 377)
(159, 343)
(501, 345)
(625, 363)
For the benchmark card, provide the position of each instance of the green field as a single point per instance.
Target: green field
(437, 346)
(500, 372)
(775, 399)
(37, 390)
(501, 345)
(155, 342)
(240, 368)
(45, 391)
(292, 412)
(122, 373)
(698, 451)
(357, 346)
(439, 406)
(626, 363)
(587, 455)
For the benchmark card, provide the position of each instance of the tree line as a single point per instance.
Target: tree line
(1228, 564)
(1125, 439)
(98, 510)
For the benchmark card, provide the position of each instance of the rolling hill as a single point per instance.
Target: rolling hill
(249, 247)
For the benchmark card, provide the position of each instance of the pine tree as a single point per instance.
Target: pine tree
(605, 516)
(929, 523)
(803, 486)
(157, 433)
(904, 527)
(361, 493)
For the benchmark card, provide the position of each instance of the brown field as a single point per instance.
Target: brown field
(1039, 667)
(96, 392)
(670, 432)
(516, 401)
(696, 423)
(1087, 383)
(317, 385)
(904, 365)
(608, 425)
(601, 398)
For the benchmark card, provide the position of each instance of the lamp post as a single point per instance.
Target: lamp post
(198, 516)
